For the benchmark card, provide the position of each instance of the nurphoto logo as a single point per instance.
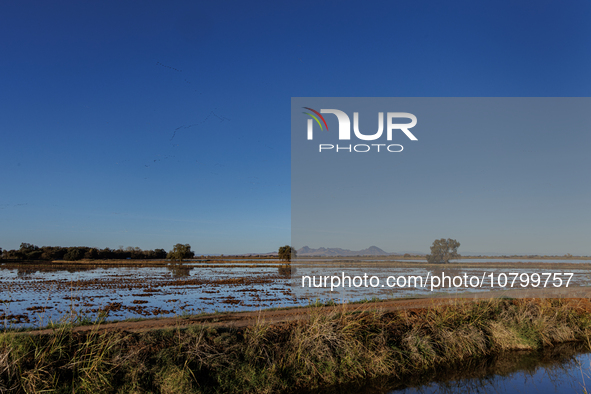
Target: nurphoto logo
(345, 130)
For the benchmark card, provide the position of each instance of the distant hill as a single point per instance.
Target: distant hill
(329, 252)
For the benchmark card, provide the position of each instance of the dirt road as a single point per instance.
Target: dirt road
(245, 319)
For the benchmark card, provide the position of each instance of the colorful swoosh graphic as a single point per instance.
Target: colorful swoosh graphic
(315, 118)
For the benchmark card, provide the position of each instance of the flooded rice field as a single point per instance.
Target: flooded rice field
(352, 279)
(39, 294)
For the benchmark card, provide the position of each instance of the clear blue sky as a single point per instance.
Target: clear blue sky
(91, 95)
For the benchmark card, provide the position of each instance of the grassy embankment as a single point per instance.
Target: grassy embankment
(323, 350)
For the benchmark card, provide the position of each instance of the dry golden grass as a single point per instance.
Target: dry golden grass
(325, 349)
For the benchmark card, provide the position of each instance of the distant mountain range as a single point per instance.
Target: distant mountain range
(375, 251)
(329, 252)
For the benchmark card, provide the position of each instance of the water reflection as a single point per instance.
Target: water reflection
(25, 272)
(563, 368)
(179, 270)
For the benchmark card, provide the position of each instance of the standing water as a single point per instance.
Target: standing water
(564, 368)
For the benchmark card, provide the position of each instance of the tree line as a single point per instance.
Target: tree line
(32, 252)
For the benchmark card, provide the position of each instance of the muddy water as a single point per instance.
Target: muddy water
(35, 295)
(561, 369)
